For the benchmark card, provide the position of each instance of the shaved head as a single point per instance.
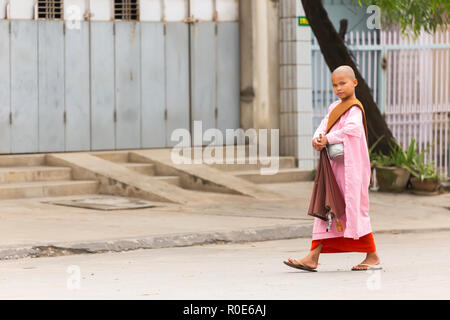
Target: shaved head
(344, 70)
(344, 82)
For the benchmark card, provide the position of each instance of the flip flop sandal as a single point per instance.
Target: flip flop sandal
(369, 267)
(299, 266)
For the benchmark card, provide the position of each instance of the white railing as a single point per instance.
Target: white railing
(417, 92)
(412, 91)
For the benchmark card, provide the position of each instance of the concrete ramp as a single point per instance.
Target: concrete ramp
(201, 176)
(198, 183)
(116, 179)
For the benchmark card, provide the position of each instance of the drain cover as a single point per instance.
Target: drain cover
(105, 203)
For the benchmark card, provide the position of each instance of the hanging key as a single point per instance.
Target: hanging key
(330, 217)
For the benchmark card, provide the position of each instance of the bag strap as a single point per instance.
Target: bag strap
(341, 109)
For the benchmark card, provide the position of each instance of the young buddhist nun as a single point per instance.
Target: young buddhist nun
(354, 234)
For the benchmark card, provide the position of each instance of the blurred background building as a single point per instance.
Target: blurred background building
(81, 75)
(115, 74)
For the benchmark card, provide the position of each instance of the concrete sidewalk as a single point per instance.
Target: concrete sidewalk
(33, 228)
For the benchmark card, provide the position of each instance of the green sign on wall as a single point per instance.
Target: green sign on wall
(302, 21)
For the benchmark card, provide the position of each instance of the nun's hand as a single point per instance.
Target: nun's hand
(322, 142)
(315, 144)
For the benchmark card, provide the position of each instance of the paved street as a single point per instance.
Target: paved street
(416, 266)
(230, 218)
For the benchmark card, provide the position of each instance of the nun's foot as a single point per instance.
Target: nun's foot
(372, 259)
(306, 262)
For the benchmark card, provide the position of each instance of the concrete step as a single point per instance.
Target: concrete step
(22, 160)
(283, 175)
(174, 180)
(118, 156)
(38, 189)
(18, 174)
(283, 163)
(226, 150)
(149, 169)
(144, 168)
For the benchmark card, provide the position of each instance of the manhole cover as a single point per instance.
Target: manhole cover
(105, 203)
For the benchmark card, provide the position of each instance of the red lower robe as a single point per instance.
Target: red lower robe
(341, 244)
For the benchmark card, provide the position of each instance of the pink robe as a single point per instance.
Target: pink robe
(352, 175)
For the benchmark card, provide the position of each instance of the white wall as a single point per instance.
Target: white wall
(21, 9)
(228, 10)
(175, 10)
(202, 9)
(3, 9)
(101, 10)
(75, 9)
(150, 10)
(169, 10)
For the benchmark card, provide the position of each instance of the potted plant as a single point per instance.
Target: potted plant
(424, 178)
(392, 170)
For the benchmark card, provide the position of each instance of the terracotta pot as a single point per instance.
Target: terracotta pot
(392, 179)
(425, 185)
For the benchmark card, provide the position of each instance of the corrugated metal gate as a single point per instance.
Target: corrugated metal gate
(116, 84)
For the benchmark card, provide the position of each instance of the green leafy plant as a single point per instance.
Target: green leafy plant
(397, 156)
(413, 15)
(403, 158)
(423, 171)
(410, 159)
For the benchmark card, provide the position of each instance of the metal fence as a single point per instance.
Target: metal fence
(412, 91)
(417, 92)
